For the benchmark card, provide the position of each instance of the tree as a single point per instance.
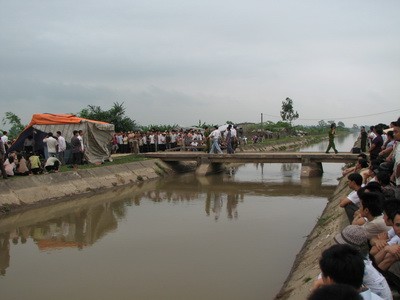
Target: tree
(322, 123)
(287, 112)
(115, 115)
(15, 122)
(340, 124)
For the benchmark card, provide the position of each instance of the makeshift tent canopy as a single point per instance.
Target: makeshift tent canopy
(96, 134)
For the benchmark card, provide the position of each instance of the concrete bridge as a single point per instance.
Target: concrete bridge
(311, 162)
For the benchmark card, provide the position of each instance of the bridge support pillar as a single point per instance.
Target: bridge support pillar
(311, 169)
(204, 167)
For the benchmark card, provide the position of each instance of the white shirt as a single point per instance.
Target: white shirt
(233, 132)
(4, 138)
(368, 295)
(51, 144)
(80, 138)
(353, 197)
(375, 281)
(215, 134)
(62, 146)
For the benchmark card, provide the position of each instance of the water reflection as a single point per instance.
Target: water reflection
(81, 223)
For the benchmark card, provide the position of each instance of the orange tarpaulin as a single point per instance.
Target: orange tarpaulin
(53, 119)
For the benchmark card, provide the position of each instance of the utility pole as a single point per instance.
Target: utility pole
(261, 120)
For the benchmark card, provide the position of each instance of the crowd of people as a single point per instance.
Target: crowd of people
(208, 139)
(32, 162)
(364, 260)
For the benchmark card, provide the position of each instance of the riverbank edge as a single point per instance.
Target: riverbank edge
(305, 268)
(23, 193)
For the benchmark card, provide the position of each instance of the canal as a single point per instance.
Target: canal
(229, 236)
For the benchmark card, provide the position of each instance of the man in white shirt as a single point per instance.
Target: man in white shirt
(4, 138)
(215, 136)
(62, 146)
(351, 203)
(52, 144)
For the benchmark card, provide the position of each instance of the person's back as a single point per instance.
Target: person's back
(35, 164)
(22, 168)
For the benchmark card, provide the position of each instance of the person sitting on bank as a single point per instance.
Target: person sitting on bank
(371, 213)
(379, 242)
(9, 166)
(52, 164)
(391, 253)
(355, 236)
(21, 166)
(343, 264)
(351, 203)
(35, 163)
(361, 165)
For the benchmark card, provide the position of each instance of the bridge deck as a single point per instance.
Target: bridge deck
(255, 157)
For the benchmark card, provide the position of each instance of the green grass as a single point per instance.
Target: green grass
(116, 161)
(323, 220)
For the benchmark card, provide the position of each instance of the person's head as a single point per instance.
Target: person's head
(363, 162)
(383, 178)
(390, 207)
(19, 156)
(378, 129)
(371, 203)
(335, 292)
(373, 186)
(5, 132)
(342, 264)
(59, 133)
(353, 235)
(362, 128)
(333, 125)
(50, 134)
(390, 135)
(80, 132)
(354, 179)
(75, 132)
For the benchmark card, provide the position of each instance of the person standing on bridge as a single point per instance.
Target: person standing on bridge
(215, 136)
(331, 135)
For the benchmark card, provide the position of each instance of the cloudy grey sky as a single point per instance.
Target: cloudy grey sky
(181, 61)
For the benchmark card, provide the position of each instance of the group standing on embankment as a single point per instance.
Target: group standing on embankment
(359, 230)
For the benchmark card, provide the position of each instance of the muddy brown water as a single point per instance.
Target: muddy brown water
(229, 236)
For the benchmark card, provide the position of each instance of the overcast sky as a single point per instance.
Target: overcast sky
(181, 61)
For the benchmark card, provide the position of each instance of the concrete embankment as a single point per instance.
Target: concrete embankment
(24, 192)
(305, 268)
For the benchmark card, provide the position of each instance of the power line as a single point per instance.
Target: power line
(337, 118)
